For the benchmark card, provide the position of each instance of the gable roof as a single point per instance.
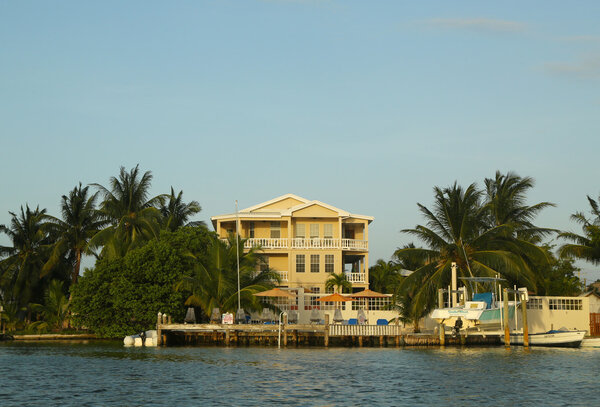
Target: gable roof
(275, 200)
(254, 211)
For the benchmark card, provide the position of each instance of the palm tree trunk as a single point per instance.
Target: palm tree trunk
(76, 267)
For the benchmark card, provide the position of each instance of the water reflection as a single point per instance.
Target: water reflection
(106, 373)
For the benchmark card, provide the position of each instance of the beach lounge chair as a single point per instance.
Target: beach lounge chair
(382, 322)
(337, 317)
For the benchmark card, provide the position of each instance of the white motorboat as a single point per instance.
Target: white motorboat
(557, 338)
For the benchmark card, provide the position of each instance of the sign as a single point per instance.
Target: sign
(227, 318)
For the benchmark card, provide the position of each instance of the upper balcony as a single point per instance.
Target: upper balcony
(303, 243)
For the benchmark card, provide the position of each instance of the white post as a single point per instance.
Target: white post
(454, 302)
(237, 247)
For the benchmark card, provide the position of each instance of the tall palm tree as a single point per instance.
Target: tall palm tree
(457, 231)
(587, 245)
(213, 283)
(339, 282)
(24, 260)
(384, 276)
(132, 216)
(80, 221)
(505, 200)
(177, 213)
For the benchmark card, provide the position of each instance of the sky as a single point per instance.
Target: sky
(364, 105)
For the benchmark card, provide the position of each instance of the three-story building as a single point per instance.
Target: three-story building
(304, 240)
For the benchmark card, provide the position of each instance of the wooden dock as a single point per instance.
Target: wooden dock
(303, 335)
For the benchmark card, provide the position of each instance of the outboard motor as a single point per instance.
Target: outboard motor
(143, 336)
(457, 326)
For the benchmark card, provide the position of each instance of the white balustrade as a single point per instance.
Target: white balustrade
(266, 243)
(356, 277)
(306, 243)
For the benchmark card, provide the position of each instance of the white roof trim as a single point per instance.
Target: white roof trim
(248, 215)
(293, 209)
(279, 198)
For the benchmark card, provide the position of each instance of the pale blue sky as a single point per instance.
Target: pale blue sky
(365, 105)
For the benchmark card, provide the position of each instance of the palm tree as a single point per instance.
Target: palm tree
(133, 217)
(384, 276)
(80, 221)
(54, 311)
(457, 231)
(587, 245)
(505, 201)
(213, 283)
(24, 260)
(176, 213)
(339, 282)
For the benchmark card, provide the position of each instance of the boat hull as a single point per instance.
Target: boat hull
(562, 339)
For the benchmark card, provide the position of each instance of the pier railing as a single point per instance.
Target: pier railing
(364, 330)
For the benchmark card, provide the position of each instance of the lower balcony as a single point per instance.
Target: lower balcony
(356, 277)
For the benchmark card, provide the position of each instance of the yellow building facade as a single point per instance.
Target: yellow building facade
(303, 240)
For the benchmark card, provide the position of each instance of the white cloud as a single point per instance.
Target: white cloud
(585, 68)
(477, 24)
(582, 38)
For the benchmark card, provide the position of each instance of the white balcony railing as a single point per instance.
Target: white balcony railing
(306, 243)
(353, 244)
(266, 243)
(356, 277)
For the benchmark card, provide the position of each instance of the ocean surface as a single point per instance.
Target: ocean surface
(99, 373)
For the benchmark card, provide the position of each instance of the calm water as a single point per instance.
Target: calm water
(107, 374)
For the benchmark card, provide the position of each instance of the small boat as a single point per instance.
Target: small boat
(557, 338)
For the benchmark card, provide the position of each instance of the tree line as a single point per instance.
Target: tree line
(487, 232)
(148, 254)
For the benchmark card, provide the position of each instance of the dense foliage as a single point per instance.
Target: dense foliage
(121, 296)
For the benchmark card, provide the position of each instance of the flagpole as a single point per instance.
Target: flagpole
(237, 247)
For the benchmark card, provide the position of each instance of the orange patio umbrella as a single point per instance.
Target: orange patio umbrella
(366, 293)
(276, 292)
(334, 298)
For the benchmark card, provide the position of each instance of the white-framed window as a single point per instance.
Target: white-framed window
(534, 303)
(329, 263)
(314, 230)
(300, 263)
(251, 230)
(275, 230)
(328, 231)
(314, 263)
(565, 304)
(300, 231)
(313, 299)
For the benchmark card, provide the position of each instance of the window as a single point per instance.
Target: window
(534, 303)
(314, 263)
(300, 265)
(313, 299)
(314, 230)
(300, 231)
(275, 230)
(329, 263)
(328, 231)
(565, 304)
(251, 230)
